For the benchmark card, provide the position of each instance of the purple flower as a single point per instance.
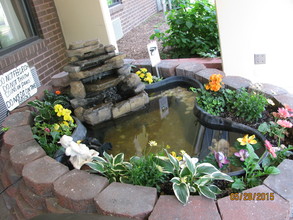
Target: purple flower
(221, 159)
(243, 154)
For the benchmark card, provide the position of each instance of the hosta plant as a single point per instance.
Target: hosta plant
(189, 176)
(112, 167)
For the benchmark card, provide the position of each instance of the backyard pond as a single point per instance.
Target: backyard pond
(169, 120)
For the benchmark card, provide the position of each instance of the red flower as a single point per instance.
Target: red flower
(270, 148)
(57, 92)
(47, 130)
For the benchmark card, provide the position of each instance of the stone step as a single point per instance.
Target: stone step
(93, 62)
(103, 84)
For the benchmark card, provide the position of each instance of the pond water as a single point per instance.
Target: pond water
(169, 120)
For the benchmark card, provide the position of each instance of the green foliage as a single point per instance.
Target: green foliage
(248, 105)
(253, 171)
(190, 177)
(193, 30)
(114, 168)
(281, 152)
(145, 172)
(45, 109)
(4, 129)
(49, 127)
(240, 103)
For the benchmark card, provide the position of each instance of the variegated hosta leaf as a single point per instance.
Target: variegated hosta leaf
(206, 191)
(214, 189)
(127, 164)
(203, 180)
(189, 164)
(118, 158)
(165, 163)
(221, 176)
(206, 168)
(108, 157)
(175, 180)
(184, 172)
(181, 192)
(133, 159)
(119, 167)
(192, 189)
(100, 159)
(96, 166)
(173, 160)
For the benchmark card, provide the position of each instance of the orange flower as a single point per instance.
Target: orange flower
(215, 83)
(57, 92)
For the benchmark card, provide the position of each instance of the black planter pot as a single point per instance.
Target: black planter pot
(204, 118)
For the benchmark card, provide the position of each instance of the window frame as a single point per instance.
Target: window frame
(28, 10)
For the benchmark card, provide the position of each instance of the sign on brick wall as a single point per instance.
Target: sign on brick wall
(17, 85)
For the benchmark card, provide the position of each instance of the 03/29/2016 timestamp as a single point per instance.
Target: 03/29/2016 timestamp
(252, 196)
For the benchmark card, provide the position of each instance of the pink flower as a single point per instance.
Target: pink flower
(283, 113)
(47, 130)
(270, 148)
(221, 159)
(288, 108)
(243, 154)
(284, 123)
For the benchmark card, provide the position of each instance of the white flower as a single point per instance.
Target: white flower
(153, 143)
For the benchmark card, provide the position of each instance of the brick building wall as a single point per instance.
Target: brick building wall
(133, 12)
(46, 54)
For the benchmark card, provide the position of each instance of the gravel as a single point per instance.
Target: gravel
(134, 43)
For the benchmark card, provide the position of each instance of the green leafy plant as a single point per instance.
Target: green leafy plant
(248, 105)
(51, 121)
(114, 168)
(144, 172)
(253, 171)
(278, 128)
(282, 153)
(216, 100)
(190, 177)
(193, 30)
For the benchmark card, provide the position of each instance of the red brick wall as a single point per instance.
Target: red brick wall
(133, 12)
(48, 53)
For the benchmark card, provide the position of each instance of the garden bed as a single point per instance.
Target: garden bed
(34, 180)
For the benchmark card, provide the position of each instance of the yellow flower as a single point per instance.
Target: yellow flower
(142, 75)
(168, 146)
(173, 153)
(58, 108)
(153, 143)
(247, 140)
(56, 127)
(144, 70)
(78, 142)
(138, 72)
(65, 123)
(148, 74)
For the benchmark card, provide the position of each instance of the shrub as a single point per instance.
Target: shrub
(193, 30)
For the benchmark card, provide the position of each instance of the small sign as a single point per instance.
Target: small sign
(154, 53)
(164, 107)
(17, 85)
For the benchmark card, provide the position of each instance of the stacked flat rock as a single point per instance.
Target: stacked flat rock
(101, 84)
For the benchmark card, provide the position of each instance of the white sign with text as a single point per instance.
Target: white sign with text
(17, 85)
(154, 53)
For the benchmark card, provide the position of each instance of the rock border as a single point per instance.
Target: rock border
(35, 183)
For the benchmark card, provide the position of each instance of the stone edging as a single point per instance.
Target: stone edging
(38, 184)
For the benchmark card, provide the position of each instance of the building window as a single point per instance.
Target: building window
(113, 2)
(16, 27)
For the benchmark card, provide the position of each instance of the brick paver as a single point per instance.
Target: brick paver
(127, 200)
(283, 182)
(277, 208)
(198, 208)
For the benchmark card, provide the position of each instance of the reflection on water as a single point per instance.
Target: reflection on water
(173, 124)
